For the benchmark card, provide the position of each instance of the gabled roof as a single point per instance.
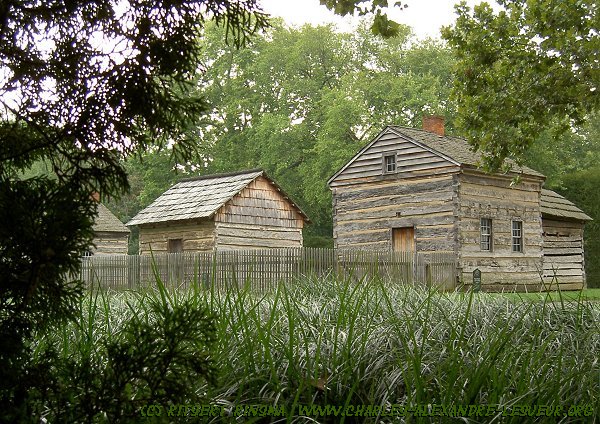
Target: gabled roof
(106, 221)
(453, 149)
(554, 205)
(201, 197)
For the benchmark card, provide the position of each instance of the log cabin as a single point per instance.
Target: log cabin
(424, 191)
(242, 210)
(111, 236)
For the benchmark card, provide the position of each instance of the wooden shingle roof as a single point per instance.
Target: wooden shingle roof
(200, 197)
(554, 205)
(106, 221)
(455, 148)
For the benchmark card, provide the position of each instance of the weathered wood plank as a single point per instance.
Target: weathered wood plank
(225, 241)
(532, 287)
(499, 201)
(409, 155)
(198, 245)
(558, 240)
(435, 245)
(563, 272)
(527, 183)
(393, 211)
(294, 235)
(471, 241)
(550, 225)
(362, 224)
(406, 199)
(392, 188)
(554, 251)
(446, 230)
(565, 259)
(260, 203)
(401, 149)
(491, 276)
(176, 226)
(550, 246)
(365, 245)
(503, 263)
(447, 170)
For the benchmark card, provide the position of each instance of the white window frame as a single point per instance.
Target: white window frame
(386, 169)
(485, 234)
(517, 238)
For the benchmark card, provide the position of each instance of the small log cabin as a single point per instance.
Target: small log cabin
(243, 210)
(111, 237)
(422, 191)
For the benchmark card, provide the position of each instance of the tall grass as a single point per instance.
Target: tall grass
(325, 341)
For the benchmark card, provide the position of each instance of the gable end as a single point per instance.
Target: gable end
(410, 157)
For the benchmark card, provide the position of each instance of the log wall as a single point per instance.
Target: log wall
(365, 214)
(563, 254)
(494, 197)
(109, 243)
(197, 235)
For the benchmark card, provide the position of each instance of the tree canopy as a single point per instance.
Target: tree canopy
(527, 68)
(300, 102)
(84, 82)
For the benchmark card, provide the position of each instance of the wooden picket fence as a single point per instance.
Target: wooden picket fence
(264, 269)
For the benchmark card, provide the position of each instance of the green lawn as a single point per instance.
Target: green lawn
(555, 296)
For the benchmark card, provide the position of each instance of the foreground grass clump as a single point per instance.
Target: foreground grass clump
(124, 352)
(335, 342)
(331, 342)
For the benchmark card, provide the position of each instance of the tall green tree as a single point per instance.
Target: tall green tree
(300, 102)
(149, 174)
(576, 150)
(570, 164)
(527, 68)
(83, 84)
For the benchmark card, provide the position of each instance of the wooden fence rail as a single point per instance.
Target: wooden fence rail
(263, 269)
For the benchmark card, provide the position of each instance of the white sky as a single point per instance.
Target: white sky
(426, 17)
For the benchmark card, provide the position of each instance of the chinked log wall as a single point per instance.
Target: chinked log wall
(110, 243)
(197, 235)
(256, 218)
(421, 193)
(487, 196)
(365, 214)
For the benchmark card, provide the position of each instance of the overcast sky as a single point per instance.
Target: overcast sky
(424, 16)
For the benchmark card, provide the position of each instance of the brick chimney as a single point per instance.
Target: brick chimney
(434, 124)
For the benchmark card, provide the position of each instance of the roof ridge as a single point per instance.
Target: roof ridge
(221, 175)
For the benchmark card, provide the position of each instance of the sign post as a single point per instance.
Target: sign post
(476, 280)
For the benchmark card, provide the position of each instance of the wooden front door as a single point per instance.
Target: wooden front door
(403, 239)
